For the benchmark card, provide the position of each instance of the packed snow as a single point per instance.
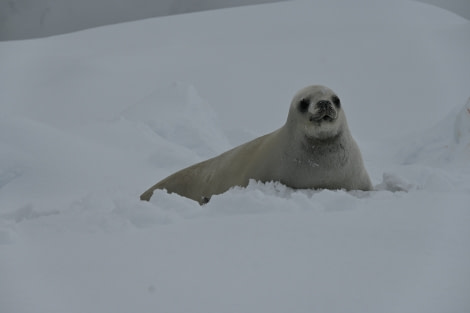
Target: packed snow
(90, 120)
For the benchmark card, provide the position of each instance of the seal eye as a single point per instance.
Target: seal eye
(336, 101)
(303, 105)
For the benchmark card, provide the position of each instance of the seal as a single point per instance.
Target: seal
(314, 149)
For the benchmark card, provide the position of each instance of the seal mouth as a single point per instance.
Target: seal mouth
(327, 118)
(323, 117)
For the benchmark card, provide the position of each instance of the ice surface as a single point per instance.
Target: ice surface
(90, 120)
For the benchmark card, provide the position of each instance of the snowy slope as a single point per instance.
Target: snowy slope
(90, 120)
(24, 19)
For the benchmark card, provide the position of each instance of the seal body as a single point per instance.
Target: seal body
(314, 149)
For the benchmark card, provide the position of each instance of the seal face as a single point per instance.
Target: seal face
(314, 149)
(318, 108)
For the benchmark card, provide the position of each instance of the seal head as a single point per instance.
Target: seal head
(316, 112)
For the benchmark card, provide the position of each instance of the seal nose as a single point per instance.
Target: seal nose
(323, 104)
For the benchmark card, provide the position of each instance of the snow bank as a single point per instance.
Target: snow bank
(447, 142)
(175, 114)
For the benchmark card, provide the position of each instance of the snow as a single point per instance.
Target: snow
(92, 119)
(23, 19)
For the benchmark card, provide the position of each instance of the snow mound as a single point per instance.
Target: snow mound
(447, 141)
(179, 115)
(394, 183)
(256, 198)
(462, 128)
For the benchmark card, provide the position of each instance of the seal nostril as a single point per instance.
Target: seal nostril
(323, 104)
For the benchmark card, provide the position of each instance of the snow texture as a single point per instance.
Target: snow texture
(92, 119)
